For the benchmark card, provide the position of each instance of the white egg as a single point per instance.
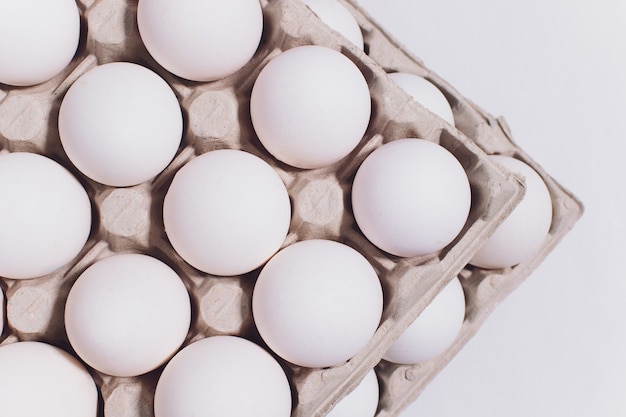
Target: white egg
(201, 40)
(411, 197)
(434, 330)
(120, 124)
(38, 379)
(425, 93)
(38, 39)
(361, 402)
(525, 229)
(45, 215)
(317, 303)
(337, 17)
(223, 376)
(127, 314)
(226, 212)
(310, 106)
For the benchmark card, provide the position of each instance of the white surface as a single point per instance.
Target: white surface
(555, 69)
(226, 212)
(127, 314)
(30, 382)
(33, 242)
(361, 402)
(434, 330)
(411, 197)
(310, 106)
(38, 38)
(212, 376)
(425, 93)
(338, 17)
(317, 303)
(100, 138)
(523, 232)
(200, 40)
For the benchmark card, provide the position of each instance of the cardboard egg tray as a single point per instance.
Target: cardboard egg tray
(484, 289)
(217, 116)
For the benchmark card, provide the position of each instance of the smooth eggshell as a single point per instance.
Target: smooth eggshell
(45, 215)
(317, 303)
(425, 93)
(411, 197)
(223, 376)
(226, 212)
(38, 39)
(360, 402)
(337, 17)
(310, 106)
(201, 40)
(127, 314)
(525, 229)
(120, 124)
(434, 330)
(38, 379)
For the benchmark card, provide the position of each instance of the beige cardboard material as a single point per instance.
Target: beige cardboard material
(484, 289)
(216, 116)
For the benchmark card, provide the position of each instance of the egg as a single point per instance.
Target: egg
(425, 93)
(120, 124)
(201, 40)
(38, 39)
(360, 402)
(127, 314)
(226, 212)
(317, 303)
(434, 330)
(411, 197)
(39, 379)
(310, 106)
(223, 376)
(522, 233)
(337, 17)
(45, 216)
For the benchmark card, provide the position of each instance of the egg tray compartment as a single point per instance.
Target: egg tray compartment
(216, 116)
(484, 289)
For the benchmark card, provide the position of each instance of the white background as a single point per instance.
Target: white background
(556, 70)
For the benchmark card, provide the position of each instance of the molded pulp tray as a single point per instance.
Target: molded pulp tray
(484, 289)
(216, 116)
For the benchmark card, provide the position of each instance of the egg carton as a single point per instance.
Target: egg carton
(216, 117)
(484, 289)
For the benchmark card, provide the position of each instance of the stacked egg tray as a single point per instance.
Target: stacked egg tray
(217, 117)
(484, 289)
